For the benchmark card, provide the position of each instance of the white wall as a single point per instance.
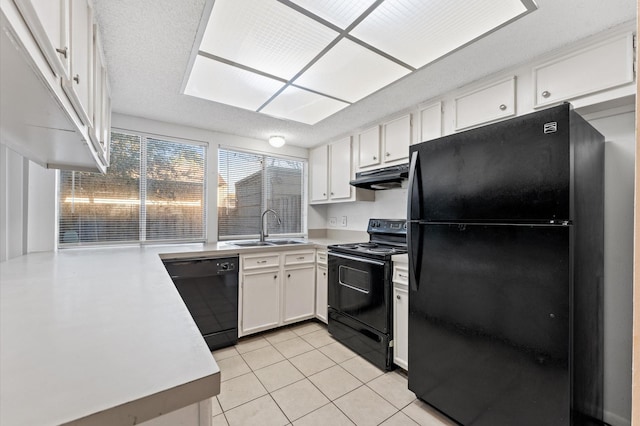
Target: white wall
(389, 204)
(619, 131)
(27, 206)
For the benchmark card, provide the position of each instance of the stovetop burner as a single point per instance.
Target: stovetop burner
(387, 237)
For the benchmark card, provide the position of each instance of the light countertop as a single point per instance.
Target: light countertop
(101, 335)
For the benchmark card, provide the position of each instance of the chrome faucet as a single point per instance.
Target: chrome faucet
(264, 233)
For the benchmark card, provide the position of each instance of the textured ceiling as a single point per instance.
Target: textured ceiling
(147, 44)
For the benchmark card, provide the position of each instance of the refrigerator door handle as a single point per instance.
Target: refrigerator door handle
(414, 191)
(414, 232)
(414, 240)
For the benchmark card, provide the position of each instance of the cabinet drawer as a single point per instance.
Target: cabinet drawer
(401, 275)
(599, 67)
(296, 258)
(321, 257)
(260, 261)
(486, 104)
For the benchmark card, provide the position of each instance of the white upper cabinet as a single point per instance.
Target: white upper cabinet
(598, 67)
(79, 87)
(318, 176)
(55, 95)
(430, 122)
(396, 136)
(489, 103)
(369, 147)
(330, 170)
(340, 170)
(48, 21)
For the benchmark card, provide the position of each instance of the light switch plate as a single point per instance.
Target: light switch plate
(333, 221)
(344, 221)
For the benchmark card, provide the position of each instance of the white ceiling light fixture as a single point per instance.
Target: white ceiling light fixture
(276, 141)
(304, 60)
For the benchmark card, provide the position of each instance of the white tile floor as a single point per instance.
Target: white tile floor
(299, 375)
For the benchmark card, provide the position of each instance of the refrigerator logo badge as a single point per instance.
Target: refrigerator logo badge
(551, 127)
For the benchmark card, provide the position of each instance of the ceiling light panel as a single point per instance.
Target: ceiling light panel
(417, 32)
(339, 12)
(224, 83)
(264, 35)
(303, 106)
(350, 72)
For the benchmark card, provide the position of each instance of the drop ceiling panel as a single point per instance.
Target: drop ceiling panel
(264, 35)
(303, 106)
(339, 12)
(350, 72)
(226, 84)
(418, 32)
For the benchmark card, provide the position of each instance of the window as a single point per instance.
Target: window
(154, 190)
(250, 183)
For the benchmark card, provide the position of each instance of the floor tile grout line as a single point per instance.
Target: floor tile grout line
(383, 397)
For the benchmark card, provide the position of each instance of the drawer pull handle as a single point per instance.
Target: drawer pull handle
(63, 52)
(275, 277)
(300, 257)
(324, 194)
(324, 273)
(402, 276)
(546, 94)
(375, 158)
(502, 107)
(388, 154)
(288, 275)
(262, 261)
(398, 297)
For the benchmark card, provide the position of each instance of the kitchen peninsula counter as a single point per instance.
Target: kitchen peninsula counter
(101, 335)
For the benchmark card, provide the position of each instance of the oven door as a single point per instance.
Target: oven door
(359, 288)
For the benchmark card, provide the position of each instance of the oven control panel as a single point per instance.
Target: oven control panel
(387, 226)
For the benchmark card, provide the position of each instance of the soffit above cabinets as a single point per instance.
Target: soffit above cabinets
(304, 60)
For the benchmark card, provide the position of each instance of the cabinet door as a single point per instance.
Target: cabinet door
(260, 301)
(603, 66)
(318, 172)
(80, 87)
(299, 294)
(487, 104)
(397, 138)
(99, 82)
(321, 293)
(340, 166)
(48, 21)
(401, 327)
(431, 122)
(369, 147)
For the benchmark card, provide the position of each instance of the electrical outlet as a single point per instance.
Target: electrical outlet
(333, 221)
(344, 221)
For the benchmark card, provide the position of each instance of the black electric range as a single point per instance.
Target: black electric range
(360, 290)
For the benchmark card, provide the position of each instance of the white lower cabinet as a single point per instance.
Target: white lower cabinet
(260, 300)
(299, 293)
(321, 286)
(276, 288)
(400, 316)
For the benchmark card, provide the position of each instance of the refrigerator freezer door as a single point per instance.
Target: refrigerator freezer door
(516, 171)
(489, 323)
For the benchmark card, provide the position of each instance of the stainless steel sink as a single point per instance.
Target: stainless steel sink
(255, 243)
(285, 242)
(252, 243)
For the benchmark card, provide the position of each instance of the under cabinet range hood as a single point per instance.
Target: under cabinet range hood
(384, 178)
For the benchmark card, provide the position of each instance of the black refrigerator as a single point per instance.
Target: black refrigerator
(506, 248)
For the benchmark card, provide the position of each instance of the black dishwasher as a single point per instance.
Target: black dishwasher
(209, 288)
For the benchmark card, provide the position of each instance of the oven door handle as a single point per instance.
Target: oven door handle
(357, 259)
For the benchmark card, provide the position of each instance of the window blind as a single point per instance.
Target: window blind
(154, 190)
(248, 184)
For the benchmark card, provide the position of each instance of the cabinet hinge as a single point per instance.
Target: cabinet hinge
(391, 343)
(635, 41)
